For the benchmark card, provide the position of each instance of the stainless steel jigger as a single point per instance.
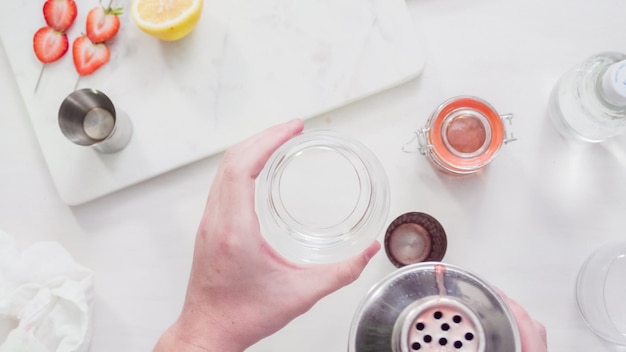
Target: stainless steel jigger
(433, 306)
(88, 117)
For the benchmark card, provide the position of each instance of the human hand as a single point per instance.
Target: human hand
(240, 290)
(532, 333)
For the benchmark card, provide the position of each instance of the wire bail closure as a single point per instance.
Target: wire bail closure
(421, 136)
(507, 122)
(423, 147)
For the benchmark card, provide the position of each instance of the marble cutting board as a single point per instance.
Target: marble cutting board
(248, 64)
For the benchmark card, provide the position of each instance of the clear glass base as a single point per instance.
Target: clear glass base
(322, 198)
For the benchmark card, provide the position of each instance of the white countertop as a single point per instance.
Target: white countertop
(526, 224)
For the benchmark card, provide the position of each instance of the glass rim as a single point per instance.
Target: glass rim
(302, 243)
(605, 309)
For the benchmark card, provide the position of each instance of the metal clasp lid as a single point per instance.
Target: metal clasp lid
(421, 136)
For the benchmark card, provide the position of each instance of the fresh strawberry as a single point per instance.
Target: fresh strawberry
(60, 14)
(89, 56)
(49, 45)
(103, 23)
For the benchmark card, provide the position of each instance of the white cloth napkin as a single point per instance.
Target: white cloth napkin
(45, 299)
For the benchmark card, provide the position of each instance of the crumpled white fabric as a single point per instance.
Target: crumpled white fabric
(46, 299)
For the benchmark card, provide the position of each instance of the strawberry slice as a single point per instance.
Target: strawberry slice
(89, 56)
(103, 23)
(60, 14)
(49, 44)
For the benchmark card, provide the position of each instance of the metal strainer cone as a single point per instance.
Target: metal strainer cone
(433, 307)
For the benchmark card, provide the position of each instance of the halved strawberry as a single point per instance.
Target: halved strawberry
(103, 23)
(60, 14)
(89, 56)
(49, 45)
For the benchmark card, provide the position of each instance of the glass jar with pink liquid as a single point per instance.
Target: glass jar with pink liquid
(464, 134)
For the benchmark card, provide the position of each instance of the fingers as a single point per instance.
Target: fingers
(532, 333)
(243, 162)
(248, 157)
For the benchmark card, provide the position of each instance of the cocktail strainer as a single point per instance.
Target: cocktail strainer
(433, 307)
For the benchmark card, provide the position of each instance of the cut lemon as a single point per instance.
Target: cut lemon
(166, 19)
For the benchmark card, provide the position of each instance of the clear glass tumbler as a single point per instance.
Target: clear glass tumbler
(322, 197)
(601, 290)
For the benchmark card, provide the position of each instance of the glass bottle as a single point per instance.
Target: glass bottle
(589, 102)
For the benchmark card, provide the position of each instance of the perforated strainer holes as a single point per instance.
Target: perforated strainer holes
(443, 328)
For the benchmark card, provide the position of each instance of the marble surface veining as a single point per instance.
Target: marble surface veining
(247, 65)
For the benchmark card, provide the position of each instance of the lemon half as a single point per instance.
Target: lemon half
(166, 19)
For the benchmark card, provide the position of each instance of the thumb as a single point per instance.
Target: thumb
(338, 275)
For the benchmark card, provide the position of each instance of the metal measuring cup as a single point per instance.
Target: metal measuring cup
(87, 117)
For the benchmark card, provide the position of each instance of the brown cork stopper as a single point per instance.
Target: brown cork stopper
(415, 237)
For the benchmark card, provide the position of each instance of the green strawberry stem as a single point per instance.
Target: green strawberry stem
(109, 10)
